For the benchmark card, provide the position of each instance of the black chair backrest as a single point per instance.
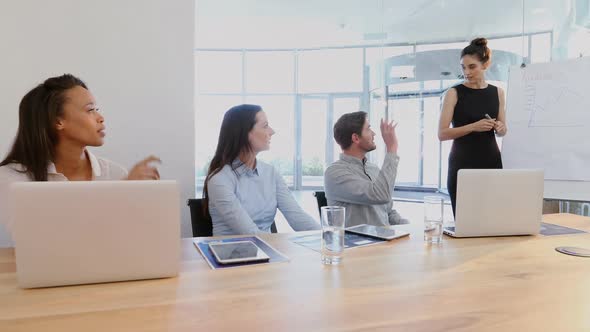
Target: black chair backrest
(320, 196)
(201, 222)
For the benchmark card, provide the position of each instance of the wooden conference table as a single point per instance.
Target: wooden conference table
(479, 284)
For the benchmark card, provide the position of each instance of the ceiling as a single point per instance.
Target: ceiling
(315, 23)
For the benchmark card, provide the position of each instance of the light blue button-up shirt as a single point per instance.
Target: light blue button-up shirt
(245, 201)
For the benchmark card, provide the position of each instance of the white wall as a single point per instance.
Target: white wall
(136, 57)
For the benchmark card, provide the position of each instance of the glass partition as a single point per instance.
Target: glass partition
(307, 64)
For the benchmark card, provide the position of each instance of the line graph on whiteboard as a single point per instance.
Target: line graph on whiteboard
(558, 107)
(548, 116)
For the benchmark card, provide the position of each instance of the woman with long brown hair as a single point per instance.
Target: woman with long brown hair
(242, 192)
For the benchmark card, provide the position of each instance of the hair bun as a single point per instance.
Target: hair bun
(480, 42)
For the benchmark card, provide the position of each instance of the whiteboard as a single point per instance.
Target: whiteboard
(548, 119)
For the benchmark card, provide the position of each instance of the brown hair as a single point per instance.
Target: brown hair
(348, 124)
(237, 122)
(479, 48)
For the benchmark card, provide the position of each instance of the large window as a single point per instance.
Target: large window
(406, 112)
(218, 72)
(304, 91)
(332, 70)
(314, 124)
(269, 72)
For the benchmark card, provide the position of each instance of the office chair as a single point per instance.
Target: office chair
(201, 223)
(320, 196)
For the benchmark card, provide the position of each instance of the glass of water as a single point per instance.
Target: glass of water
(433, 218)
(332, 234)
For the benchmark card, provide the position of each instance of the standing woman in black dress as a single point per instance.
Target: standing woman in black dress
(477, 111)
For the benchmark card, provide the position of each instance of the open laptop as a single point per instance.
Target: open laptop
(69, 233)
(497, 202)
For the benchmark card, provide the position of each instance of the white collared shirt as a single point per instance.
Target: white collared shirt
(102, 170)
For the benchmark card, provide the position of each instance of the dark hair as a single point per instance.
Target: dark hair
(479, 48)
(348, 124)
(233, 139)
(36, 137)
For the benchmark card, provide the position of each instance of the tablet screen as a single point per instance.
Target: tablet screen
(243, 251)
(376, 231)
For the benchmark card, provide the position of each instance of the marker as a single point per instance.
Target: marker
(488, 117)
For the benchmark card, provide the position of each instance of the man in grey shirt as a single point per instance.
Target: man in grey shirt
(364, 189)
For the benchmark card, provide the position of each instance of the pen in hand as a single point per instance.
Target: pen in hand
(490, 118)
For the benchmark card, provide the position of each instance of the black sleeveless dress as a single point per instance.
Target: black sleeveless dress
(477, 149)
